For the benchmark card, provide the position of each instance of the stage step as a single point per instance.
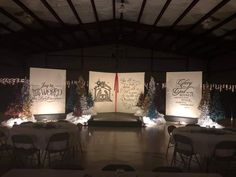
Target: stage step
(115, 120)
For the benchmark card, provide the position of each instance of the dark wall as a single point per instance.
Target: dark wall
(113, 58)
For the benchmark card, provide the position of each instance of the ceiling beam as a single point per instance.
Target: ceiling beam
(3, 26)
(27, 10)
(158, 19)
(210, 13)
(199, 36)
(139, 16)
(56, 16)
(106, 24)
(72, 7)
(120, 31)
(52, 11)
(217, 41)
(40, 21)
(17, 21)
(114, 18)
(185, 12)
(96, 17)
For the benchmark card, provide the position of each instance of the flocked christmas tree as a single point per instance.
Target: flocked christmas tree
(72, 98)
(151, 88)
(151, 110)
(83, 103)
(216, 108)
(146, 103)
(204, 105)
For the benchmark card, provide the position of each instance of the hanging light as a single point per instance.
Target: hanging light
(121, 8)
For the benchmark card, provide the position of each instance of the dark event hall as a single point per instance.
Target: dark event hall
(117, 88)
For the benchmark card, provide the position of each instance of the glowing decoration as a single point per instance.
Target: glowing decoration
(47, 90)
(16, 121)
(208, 123)
(183, 93)
(75, 120)
(127, 88)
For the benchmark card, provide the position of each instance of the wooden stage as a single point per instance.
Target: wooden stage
(115, 119)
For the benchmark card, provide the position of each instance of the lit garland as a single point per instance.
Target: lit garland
(69, 83)
(11, 81)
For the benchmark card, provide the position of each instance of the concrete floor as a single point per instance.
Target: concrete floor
(143, 148)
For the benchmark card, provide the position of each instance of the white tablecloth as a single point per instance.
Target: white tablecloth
(77, 173)
(205, 139)
(42, 135)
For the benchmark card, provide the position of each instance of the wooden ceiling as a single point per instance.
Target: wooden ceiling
(198, 28)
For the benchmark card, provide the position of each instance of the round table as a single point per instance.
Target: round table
(205, 139)
(41, 133)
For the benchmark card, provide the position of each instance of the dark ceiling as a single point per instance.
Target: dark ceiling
(199, 28)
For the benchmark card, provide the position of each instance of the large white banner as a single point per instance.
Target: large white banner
(48, 90)
(116, 92)
(183, 93)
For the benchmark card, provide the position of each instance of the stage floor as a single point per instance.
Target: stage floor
(115, 116)
(115, 119)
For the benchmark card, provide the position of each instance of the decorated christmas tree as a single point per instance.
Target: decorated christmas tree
(72, 98)
(152, 111)
(146, 103)
(77, 109)
(13, 110)
(152, 88)
(216, 108)
(26, 100)
(140, 100)
(151, 106)
(90, 102)
(80, 88)
(83, 103)
(204, 105)
(15, 107)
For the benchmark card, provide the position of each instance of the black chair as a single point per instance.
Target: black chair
(184, 148)
(116, 167)
(24, 148)
(167, 169)
(80, 127)
(4, 147)
(171, 140)
(58, 144)
(224, 152)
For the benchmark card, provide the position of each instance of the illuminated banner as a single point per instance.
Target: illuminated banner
(183, 93)
(116, 92)
(47, 90)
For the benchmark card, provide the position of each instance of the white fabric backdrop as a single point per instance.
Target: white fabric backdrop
(183, 93)
(48, 90)
(130, 87)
